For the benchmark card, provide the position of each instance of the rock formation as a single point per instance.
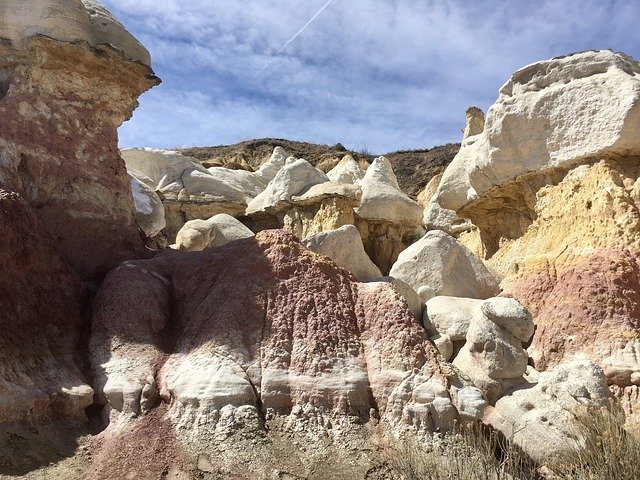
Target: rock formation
(258, 328)
(475, 122)
(438, 264)
(344, 246)
(551, 188)
(41, 302)
(197, 235)
(70, 76)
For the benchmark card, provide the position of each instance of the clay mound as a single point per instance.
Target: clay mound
(262, 327)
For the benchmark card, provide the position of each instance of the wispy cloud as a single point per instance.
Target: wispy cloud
(381, 74)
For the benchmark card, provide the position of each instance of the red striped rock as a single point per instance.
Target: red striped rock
(258, 328)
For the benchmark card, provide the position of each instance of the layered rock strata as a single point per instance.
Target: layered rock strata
(551, 186)
(260, 328)
(70, 76)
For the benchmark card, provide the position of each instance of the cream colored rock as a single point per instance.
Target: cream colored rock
(450, 315)
(249, 183)
(549, 114)
(196, 235)
(68, 21)
(344, 246)
(475, 122)
(424, 197)
(270, 168)
(509, 314)
(149, 208)
(540, 418)
(438, 264)
(291, 180)
(346, 171)
(382, 199)
(321, 191)
(444, 345)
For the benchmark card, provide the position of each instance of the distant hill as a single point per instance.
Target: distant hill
(414, 168)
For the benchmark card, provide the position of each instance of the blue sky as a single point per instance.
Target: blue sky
(380, 75)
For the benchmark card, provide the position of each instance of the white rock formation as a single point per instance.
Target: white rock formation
(196, 235)
(549, 114)
(438, 264)
(344, 246)
(475, 122)
(292, 179)
(382, 199)
(346, 171)
(69, 21)
(149, 208)
(540, 418)
(450, 315)
(493, 357)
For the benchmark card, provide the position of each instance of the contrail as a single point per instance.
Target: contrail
(286, 44)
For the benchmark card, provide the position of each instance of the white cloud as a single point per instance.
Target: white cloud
(381, 74)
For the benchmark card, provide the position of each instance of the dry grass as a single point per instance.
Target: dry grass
(611, 451)
(471, 452)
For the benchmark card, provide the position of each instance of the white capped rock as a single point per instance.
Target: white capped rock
(346, 171)
(270, 168)
(67, 21)
(344, 246)
(382, 199)
(438, 264)
(292, 179)
(549, 114)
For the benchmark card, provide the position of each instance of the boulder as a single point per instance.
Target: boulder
(450, 315)
(344, 246)
(71, 75)
(509, 314)
(197, 235)
(540, 418)
(149, 208)
(438, 264)
(346, 171)
(302, 341)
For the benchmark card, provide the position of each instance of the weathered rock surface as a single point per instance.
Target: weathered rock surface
(303, 340)
(346, 171)
(41, 304)
(188, 190)
(323, 207)
(540, 417)
(197, 235)
(438, 264)
(552, 187)
(549, 114)
(61, 102)
(493, 355)
(450, 315)
(68, 21)
(344, 246)
(382, 199)
(414, 302)
(292, 179)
